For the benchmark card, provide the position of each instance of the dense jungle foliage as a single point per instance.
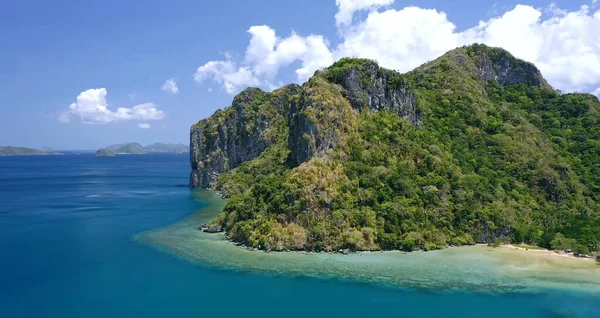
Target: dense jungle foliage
(515, 163)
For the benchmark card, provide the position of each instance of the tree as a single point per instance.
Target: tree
(560, 242)
(581, 249)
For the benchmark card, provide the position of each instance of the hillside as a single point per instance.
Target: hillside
(472, 147)
(104, 152)
(166, 148)
(127, 148)
(23, 151)
(136, 148)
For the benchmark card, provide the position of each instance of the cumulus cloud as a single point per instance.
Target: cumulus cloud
(265, 56)
(170, 86)
(597, 92)
(401, 39)
(347, 8)
(91, 107)
(144, 126)
(228, 74)
(565, 45)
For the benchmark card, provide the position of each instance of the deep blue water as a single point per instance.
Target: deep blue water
(66, 251)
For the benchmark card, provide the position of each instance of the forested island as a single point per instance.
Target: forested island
(474, 147)
(105, 152)
(24, 151)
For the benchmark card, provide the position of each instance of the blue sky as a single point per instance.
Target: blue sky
(55, 51)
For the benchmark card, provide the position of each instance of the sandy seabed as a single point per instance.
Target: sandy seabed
(503, 269)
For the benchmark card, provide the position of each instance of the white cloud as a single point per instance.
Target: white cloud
(597, 92)
(144, 126)
(264, 57)
(565, 45)
(347, 8)
(228, 74)
(402, 39)
(170, 86)
(91, 107)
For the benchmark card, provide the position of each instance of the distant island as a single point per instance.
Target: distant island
(105, 152)
(127, 148)
(134, 148)
(24, 151)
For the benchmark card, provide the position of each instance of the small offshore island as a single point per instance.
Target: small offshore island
(24, 151)
(472, 148)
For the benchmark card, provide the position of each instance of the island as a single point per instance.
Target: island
(23, 151)
(131, 148)
(473, 147)
(134, 148)
(167, 148)
(104, 152)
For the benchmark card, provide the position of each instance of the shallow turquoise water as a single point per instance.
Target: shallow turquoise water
(67, 250)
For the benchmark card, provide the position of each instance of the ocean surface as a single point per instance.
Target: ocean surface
(82, 236)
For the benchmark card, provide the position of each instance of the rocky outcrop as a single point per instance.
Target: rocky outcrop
(208, 228)
(495, 64)
(378, 89)
(238, 133)
(485, 235)
(318, 121)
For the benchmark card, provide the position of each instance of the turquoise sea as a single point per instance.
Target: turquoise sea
(74, 243)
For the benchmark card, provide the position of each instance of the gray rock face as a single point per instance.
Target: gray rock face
(381, 92)
(235, 135)
(497, 64)
(210, 228)
(507, 72)
(227, 145)
(313, 128)
(366, 88)
(486, 235)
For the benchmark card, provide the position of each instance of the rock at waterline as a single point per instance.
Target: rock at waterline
(210, 228)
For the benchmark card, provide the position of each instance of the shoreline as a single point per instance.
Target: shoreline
(550, 253)
(545, 252)
(478, 267)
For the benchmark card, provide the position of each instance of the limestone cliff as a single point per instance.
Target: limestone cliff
(238, 133)
(359, 85)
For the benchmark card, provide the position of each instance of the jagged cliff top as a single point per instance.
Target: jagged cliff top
(476, 61)
(487, 64)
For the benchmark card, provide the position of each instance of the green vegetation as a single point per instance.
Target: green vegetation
(495, 243)
(137, 149)
(23, 151)
(104, 152)
(529, 247)
(511, 162)
(166, 148)
(131, 148)
(561, 243)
